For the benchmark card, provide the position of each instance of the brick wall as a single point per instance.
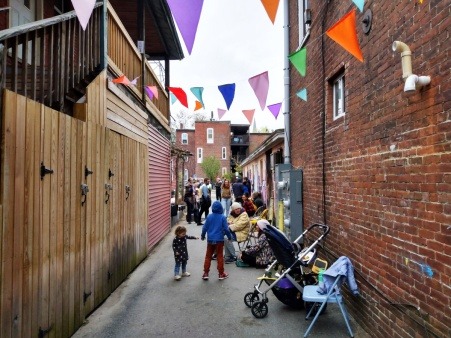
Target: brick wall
(256, 140)
(387, 164)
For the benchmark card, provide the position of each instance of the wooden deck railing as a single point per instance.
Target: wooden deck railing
(47, 60)
(52, 60)
(123, 52)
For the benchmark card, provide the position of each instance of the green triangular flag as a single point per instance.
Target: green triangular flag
(299, 60)
(302, 94)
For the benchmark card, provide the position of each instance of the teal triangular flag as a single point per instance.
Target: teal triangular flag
(197, 91)
(173, 98)
(302, 94)
(299, 60)
(359, 4)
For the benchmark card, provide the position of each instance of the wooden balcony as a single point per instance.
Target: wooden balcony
(53, 60)
(125, 58)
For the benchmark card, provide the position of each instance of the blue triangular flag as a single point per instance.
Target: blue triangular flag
(302, 94)
(228, 92)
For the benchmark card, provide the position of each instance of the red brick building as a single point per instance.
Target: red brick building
(376, 160)
(209, 138)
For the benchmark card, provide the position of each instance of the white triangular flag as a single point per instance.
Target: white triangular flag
(83, 9)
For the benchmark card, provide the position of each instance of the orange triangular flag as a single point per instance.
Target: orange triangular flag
(198, 105)
(249, 113)
(344, 33)
(271, 7)
(122, 79)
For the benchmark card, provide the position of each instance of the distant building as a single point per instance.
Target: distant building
(228, 143)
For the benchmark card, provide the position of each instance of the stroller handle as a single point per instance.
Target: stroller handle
(325, 228)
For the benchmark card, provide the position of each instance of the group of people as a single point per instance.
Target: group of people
(198, 200)
(221, 228)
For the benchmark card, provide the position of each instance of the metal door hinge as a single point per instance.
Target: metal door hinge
(45, 171)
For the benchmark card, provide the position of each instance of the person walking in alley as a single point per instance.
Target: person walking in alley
(181, 252)
(205, 201)
(189, 199)
(226, 196)
(215, 227)
(218, 185)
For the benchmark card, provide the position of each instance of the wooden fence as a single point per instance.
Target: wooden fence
(73, 221)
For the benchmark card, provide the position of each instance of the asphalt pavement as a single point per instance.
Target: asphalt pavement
(150, 303)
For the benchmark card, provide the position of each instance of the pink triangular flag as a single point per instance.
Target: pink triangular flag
(249, 113)
(260, 85)
(83, 9)
(154, 90)
(148, 92)
(275, 109)
(221, 113)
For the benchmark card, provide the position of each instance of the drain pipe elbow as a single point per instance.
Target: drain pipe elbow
(406, 58)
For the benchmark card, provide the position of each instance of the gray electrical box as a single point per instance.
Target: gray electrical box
(289, 200)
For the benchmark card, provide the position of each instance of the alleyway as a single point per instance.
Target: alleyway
(151, 304)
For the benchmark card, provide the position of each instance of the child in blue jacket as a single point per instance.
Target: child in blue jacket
(215, 227)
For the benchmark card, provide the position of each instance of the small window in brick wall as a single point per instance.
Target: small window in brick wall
(210, 135)
(199, 155)
(338, 99)
(184, 138)
(224, 153)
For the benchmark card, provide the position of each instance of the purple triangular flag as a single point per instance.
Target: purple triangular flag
(186, 15)
(275, 109)
(260, 85)
(228, 92)
(221, 113)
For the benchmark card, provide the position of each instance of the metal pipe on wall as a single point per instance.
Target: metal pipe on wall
(286, 114)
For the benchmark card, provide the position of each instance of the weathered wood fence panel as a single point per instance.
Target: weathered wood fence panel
(63, 249)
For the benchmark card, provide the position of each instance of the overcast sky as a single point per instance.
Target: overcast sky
(235, 40)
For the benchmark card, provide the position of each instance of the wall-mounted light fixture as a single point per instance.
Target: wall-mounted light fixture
(412, 81)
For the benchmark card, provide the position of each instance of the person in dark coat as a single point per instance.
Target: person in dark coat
(181, 252)
(189, 199)
(237, 189)
(218, 185)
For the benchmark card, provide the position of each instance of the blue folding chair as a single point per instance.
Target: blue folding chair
(310, 294)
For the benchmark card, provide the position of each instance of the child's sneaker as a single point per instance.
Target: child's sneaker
(205, 276)
(186, 274)
(223, 275)
(177, 277)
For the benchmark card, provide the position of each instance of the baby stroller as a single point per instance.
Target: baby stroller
(293, 268)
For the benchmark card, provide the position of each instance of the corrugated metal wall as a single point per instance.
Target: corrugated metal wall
(159, 221)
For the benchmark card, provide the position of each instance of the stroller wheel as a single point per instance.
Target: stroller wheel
(259, 309)
(250, 298)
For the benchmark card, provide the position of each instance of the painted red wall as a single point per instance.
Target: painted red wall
(383, 170)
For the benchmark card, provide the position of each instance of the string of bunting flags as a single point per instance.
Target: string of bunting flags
(187, 16)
